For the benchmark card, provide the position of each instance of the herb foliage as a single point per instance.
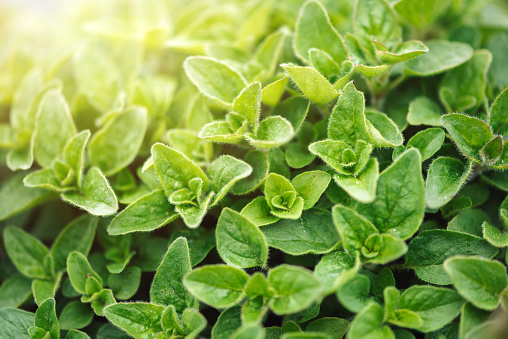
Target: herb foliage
(255, 169)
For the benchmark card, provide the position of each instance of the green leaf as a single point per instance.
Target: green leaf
(74, 153)
(148, 213)
(79, 270)
(369, 324)
(305, 335)
(313, 85)
(116, 145)
(470, 318)
(469, 133)
(276, 185)
(436, 306)
(75, 315)
(220, 131)
(45, 178)
(271, 93)
(362, 187)
(442, 56)
(371, 71)
(248, 103)
(421, 13)
(251, 331)
(335, 268)
(464, 87)
(272, 132)
(15, 197)
(14, 323)
(167, 287)
(45, 318)
(14, 291)
(100, 300)
(76, 236)
(44, 289)
(335, 327)
(314, 30)
(227, 323)
(382, 130)
(341, 157)
(499, 114)
(126, 283)
(310, 186)
(399, 205)
(374, 19)
(428, 142)
(141, 320)
(219, 286)
(493, 235)
(193, 323)
(258, 160)
(469, 221)
(353, 228)
(428, 250)
(49, 142)
(294, 110)
(240, 243)
(354, 294)
(347, 121)
(423, 111)
(259, 212)
(26, 252)
(295, 289)
(381, 249)
(492, 151)
(96, 197)
(444, 179)
(312, 233)
(404, 51)
(214, 78)
(20, 159)
(170, 321)
(324, 64)
(193, 215)
(224, 172)
(174, 169)
(479, 280)
(75, 334)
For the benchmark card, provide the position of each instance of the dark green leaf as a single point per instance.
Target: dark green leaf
(167, 287)
(399, 205)
(428, 250)
(148, 213)
(312, 233)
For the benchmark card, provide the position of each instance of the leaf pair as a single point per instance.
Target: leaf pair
(352, 133)
(481, 142)
(61, 152)
(147, 320)
(286, 289)
(172, 311)
(285, 199)
(186, 191)
(359, 234)
(242, 124)
(45, 267)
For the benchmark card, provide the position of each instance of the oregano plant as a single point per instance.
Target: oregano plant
(254, 169)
